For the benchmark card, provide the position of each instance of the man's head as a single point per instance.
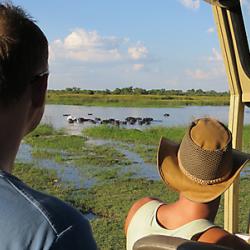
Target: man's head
(23, 53)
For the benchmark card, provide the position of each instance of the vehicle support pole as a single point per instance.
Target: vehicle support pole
(236, 112)
(231, 197)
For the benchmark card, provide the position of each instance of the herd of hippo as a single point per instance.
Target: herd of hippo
(128, 120)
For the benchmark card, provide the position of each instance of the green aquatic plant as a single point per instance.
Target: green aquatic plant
(115, 190)
(72, 149)
(149, 136)
(45, 130)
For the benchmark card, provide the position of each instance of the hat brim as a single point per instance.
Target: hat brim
(172, 175)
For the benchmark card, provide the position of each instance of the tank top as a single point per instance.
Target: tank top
(144, 223)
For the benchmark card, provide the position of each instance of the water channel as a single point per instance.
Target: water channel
(54, 114)
(177, 116)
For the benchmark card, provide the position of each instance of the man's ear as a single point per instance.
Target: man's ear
(38, 91)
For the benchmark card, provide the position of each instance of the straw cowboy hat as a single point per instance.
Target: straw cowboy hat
(204, 164)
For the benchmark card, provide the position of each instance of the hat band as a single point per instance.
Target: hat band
(198, 180)
(207, 165)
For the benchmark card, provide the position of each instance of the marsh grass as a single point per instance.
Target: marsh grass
(45, 154)
(48, 143)
(111, 201)
(148, 136)
(111, 197)
(63, 142)
(45, 130)
(102, 155)
(134, 100)
(41, 179)
(148, 154)
(143, 142)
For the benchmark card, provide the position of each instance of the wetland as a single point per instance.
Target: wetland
(101, 170)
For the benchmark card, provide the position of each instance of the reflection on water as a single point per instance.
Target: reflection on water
(139, 168)
(72, 174)
(66, 173)
(90, 216)
(143, 169)
(177, 116)
(24, 153)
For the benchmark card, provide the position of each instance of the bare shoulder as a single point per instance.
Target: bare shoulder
(221, 237)
(134, 208)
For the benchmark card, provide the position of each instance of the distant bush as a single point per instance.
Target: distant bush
(140, 91)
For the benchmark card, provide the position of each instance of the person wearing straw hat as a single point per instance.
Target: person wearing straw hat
(200, 168)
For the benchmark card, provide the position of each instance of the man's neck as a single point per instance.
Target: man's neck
(11, 132)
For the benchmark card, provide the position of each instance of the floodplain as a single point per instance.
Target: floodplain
(104, 170)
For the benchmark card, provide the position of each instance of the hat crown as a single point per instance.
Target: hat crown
(205, 153)
(209, 134)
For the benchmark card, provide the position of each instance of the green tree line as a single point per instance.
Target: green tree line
(140, 91)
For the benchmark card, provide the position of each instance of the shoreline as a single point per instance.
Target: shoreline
(144, 101)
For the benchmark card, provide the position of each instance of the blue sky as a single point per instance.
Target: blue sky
(96, 44)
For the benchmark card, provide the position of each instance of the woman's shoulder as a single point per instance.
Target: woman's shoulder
(139, 203)
(135, 207)
(219, 236)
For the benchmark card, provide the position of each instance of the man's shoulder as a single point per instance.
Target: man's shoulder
(26, 213)
(57, 213)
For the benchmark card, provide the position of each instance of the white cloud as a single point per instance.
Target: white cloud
(213, 68)
(197, 74)
(90, 46)
(88, 59)
(81, 38)
(246, 3)
(191, 4)
(82, 45)
(211, 73)
(138, 52)
(210, 30)
(216, 56)
(138, 66)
